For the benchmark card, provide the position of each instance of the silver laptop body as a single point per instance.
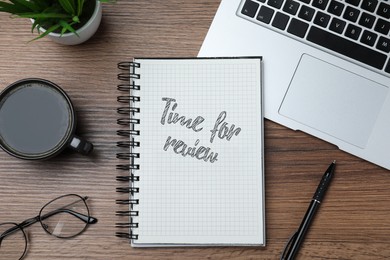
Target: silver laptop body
(307, 86)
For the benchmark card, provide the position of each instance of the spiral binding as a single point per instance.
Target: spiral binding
(127, 135)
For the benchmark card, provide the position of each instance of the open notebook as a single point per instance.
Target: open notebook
(196, 152)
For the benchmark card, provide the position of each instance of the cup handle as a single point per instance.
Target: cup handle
(80, 145)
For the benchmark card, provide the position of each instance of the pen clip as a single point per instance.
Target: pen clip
(287, 247)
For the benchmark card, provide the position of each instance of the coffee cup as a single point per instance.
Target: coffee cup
(38, 121)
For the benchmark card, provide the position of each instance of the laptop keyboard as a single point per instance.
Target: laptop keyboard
(357, 29)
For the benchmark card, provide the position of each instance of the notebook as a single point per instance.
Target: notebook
(327, 66)
(195, 149)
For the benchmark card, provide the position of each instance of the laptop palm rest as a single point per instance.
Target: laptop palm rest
(334, 101)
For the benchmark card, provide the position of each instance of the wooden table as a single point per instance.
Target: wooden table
(353, 222)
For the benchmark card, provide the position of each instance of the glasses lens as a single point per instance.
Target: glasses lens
(65, 217)
(13, 242)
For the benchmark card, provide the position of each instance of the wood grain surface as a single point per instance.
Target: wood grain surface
(352, 223)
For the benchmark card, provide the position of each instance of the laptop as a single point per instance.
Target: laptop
(326, 66)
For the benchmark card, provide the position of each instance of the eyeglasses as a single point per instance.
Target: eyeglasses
(64, 217)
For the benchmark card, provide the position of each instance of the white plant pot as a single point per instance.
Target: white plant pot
(84, 33)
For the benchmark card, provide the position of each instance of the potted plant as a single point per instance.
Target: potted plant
(64, 21)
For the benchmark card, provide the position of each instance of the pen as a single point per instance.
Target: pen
(296, 240)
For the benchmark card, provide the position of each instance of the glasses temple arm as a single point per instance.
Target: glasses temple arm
(24, 224)
(82, 217)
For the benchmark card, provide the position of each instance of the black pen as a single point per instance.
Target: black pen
(296, 240)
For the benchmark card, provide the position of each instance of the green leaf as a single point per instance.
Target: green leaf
(67, 27)
(30, 6)
(54, 9)
(76, 19)
(10, 8)
(34, 25)
(43, 4)
(51, 29)
(73, 3)
(68, 7)
(43, 15)
(80, 6)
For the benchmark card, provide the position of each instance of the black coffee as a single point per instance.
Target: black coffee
(34, 119)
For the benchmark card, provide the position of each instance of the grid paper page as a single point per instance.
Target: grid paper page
(201, 179)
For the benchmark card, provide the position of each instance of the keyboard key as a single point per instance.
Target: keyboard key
(353, 31)
(297, 28)
(280, 21)
(305, 1)
(321, 4)
(367, 20)
(322, 19)
(387, 69)
(275, 3)
(265, 14)
(384, 10)
(346, 47)
(336, 8)
(306, 13)
(291, 7)
(351, 14)
(337, 25)
(382, 26)
(250, 8)
(369, 5)
(353, 2)
(383, 44)
(368, 38)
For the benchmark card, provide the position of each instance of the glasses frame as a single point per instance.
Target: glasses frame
(14, 229)
(87, 219)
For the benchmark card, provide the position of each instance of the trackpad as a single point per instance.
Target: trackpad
(333, 100)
